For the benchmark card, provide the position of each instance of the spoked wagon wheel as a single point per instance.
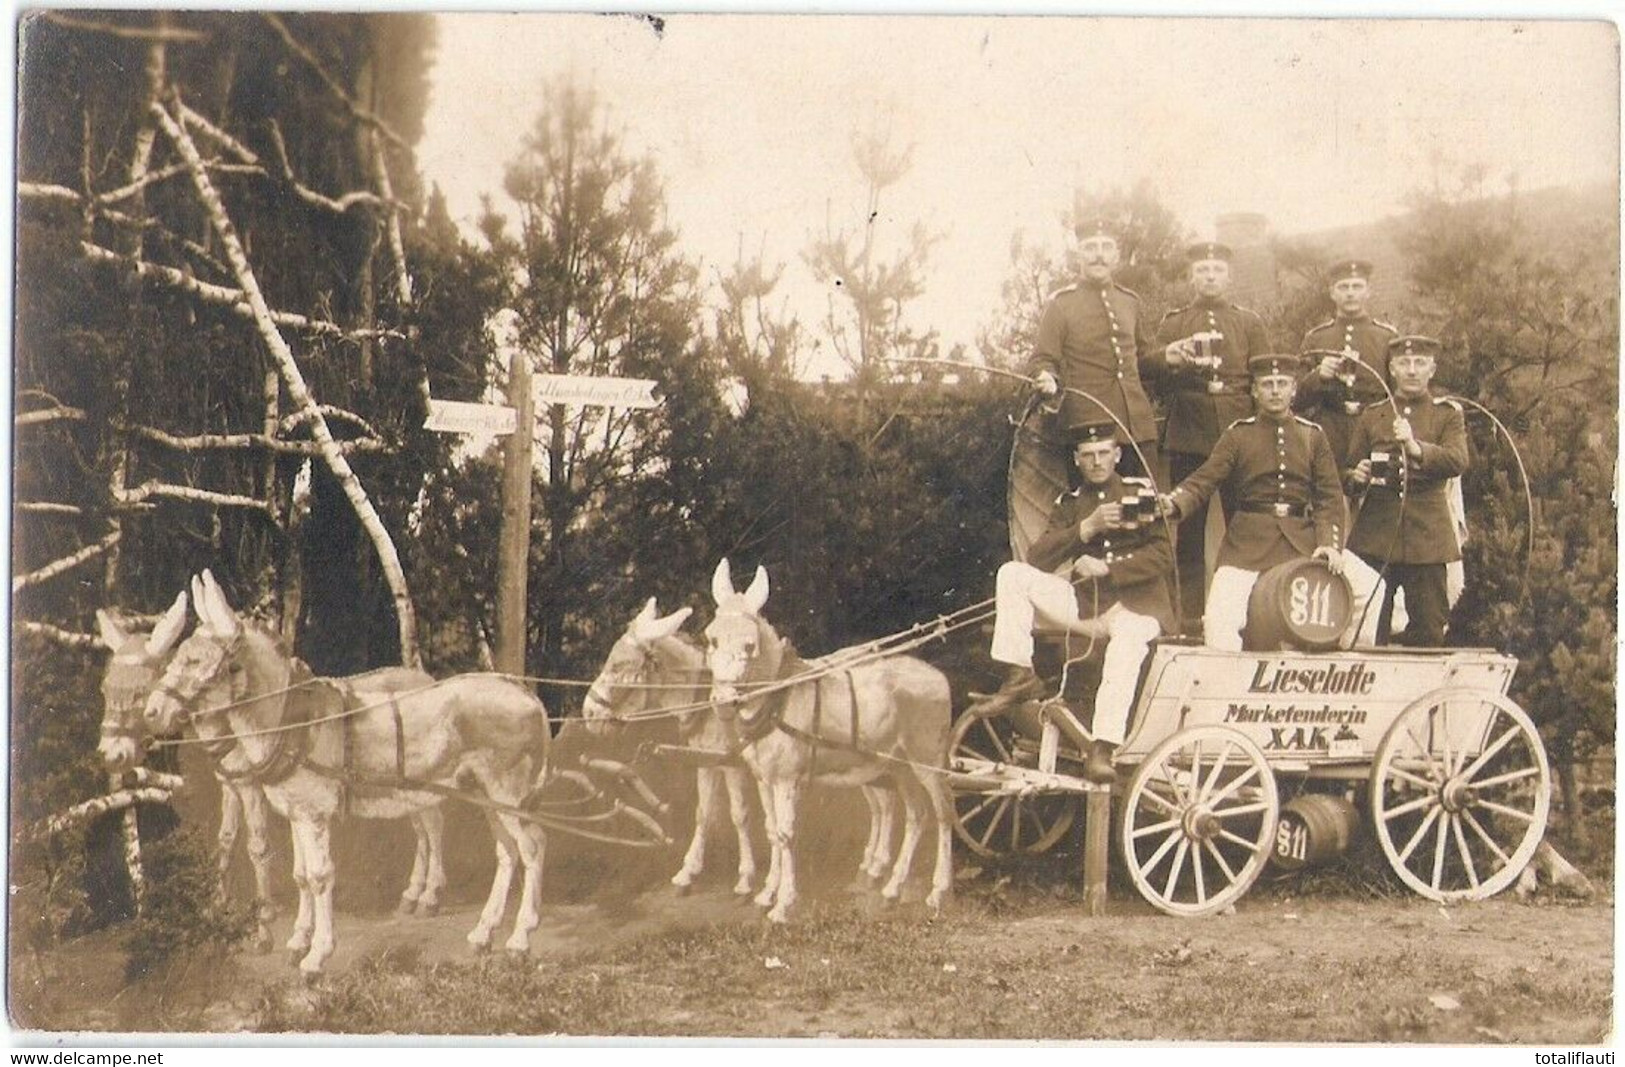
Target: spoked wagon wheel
(1460, 793)
(997, 825)
(1199, 820)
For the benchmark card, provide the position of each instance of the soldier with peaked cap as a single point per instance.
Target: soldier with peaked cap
(1331, 392)
(1404, 527)
(1092, 563)
(1093, 337)
(1277, 473)
(1205, 346)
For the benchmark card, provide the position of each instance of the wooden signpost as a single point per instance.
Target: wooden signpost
(517, 421)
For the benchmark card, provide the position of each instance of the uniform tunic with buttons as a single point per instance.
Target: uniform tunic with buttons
(1263, 463)
(1140, 559)
(1428, 533)
(1094, 338)
(1197, 412)
(1334, 403)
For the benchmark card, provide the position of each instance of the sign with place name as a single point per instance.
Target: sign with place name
(1317, 707)
(459, 416)
(599, 392)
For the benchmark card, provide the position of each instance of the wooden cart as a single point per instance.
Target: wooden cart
(1451, 773)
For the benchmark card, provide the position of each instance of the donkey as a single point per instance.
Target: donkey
(231, 682)
(652, 655)
(133, 670)
(848, 725)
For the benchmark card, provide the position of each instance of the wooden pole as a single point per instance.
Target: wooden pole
(1096, 849)
(513, 554)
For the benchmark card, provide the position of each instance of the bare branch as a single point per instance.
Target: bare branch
(315, 199)
(388, 558)
(218, 136)
(90, 809)
(132, 33)
(66, 563)
(33, 418)
(222, 296)
(403, 280)
(328, 411)
(147, 490)
(58, 635)
(360, 113)
(206, 441)
(45, 507)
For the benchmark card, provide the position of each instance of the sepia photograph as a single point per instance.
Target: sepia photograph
(845, 528)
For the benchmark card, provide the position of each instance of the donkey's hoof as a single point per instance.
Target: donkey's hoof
(479, 946)
(779, 916)
(296, 956)
(681, 886)
(309, 978)
(742, 887)
(428, 909)
(406, 907)
(764, 899)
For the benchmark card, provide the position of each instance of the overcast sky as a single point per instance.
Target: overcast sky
(1313, 123)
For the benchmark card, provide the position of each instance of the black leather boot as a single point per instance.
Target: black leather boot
(1097, 765)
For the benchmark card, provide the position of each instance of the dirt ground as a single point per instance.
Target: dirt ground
(1023, 965)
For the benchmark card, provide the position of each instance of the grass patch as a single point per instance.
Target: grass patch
(1006, 967)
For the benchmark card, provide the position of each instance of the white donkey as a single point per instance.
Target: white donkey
(653, 667)
(133, 671)
(305, 746)
(849, 725)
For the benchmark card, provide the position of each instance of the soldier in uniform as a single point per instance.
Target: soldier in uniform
(1093, 337)
(1332, 393)
(1276, 471)
(1091, 565)
(1205, 346)
(1405, 527)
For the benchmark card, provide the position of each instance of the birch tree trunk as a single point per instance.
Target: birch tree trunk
(298, 391)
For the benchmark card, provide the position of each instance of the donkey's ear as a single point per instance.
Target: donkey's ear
(669, 625)
(722, 582)
(648, 613)
(756, 595)
(225, 620)
(200, 603)
(169, 628)
(113, 635)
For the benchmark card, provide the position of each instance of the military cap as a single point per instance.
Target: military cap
(1087, 433)
(1096, 226)
(1414, 345)
(1208, 250)
(1348, 268)
(1275, 363)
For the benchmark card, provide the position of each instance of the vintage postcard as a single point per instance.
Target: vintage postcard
(814, 527)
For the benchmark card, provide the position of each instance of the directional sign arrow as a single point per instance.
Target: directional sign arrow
(458, 416)
(599, 392)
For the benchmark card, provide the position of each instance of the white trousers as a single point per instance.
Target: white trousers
(1024, 594)
(1226, 611)
(1369, 588)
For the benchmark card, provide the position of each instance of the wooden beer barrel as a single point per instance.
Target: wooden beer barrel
(1313, 828)
(1300, 604)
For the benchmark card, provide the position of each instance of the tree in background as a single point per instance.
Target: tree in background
(865, 322)
(1527, 309)
(601, 289)
(159, 430)
(758, 341)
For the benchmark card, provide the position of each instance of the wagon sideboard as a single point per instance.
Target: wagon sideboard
(1325, 712)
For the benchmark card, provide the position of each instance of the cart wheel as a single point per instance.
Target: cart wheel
(1460, 793)
(1199, 820)
(998, 825)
